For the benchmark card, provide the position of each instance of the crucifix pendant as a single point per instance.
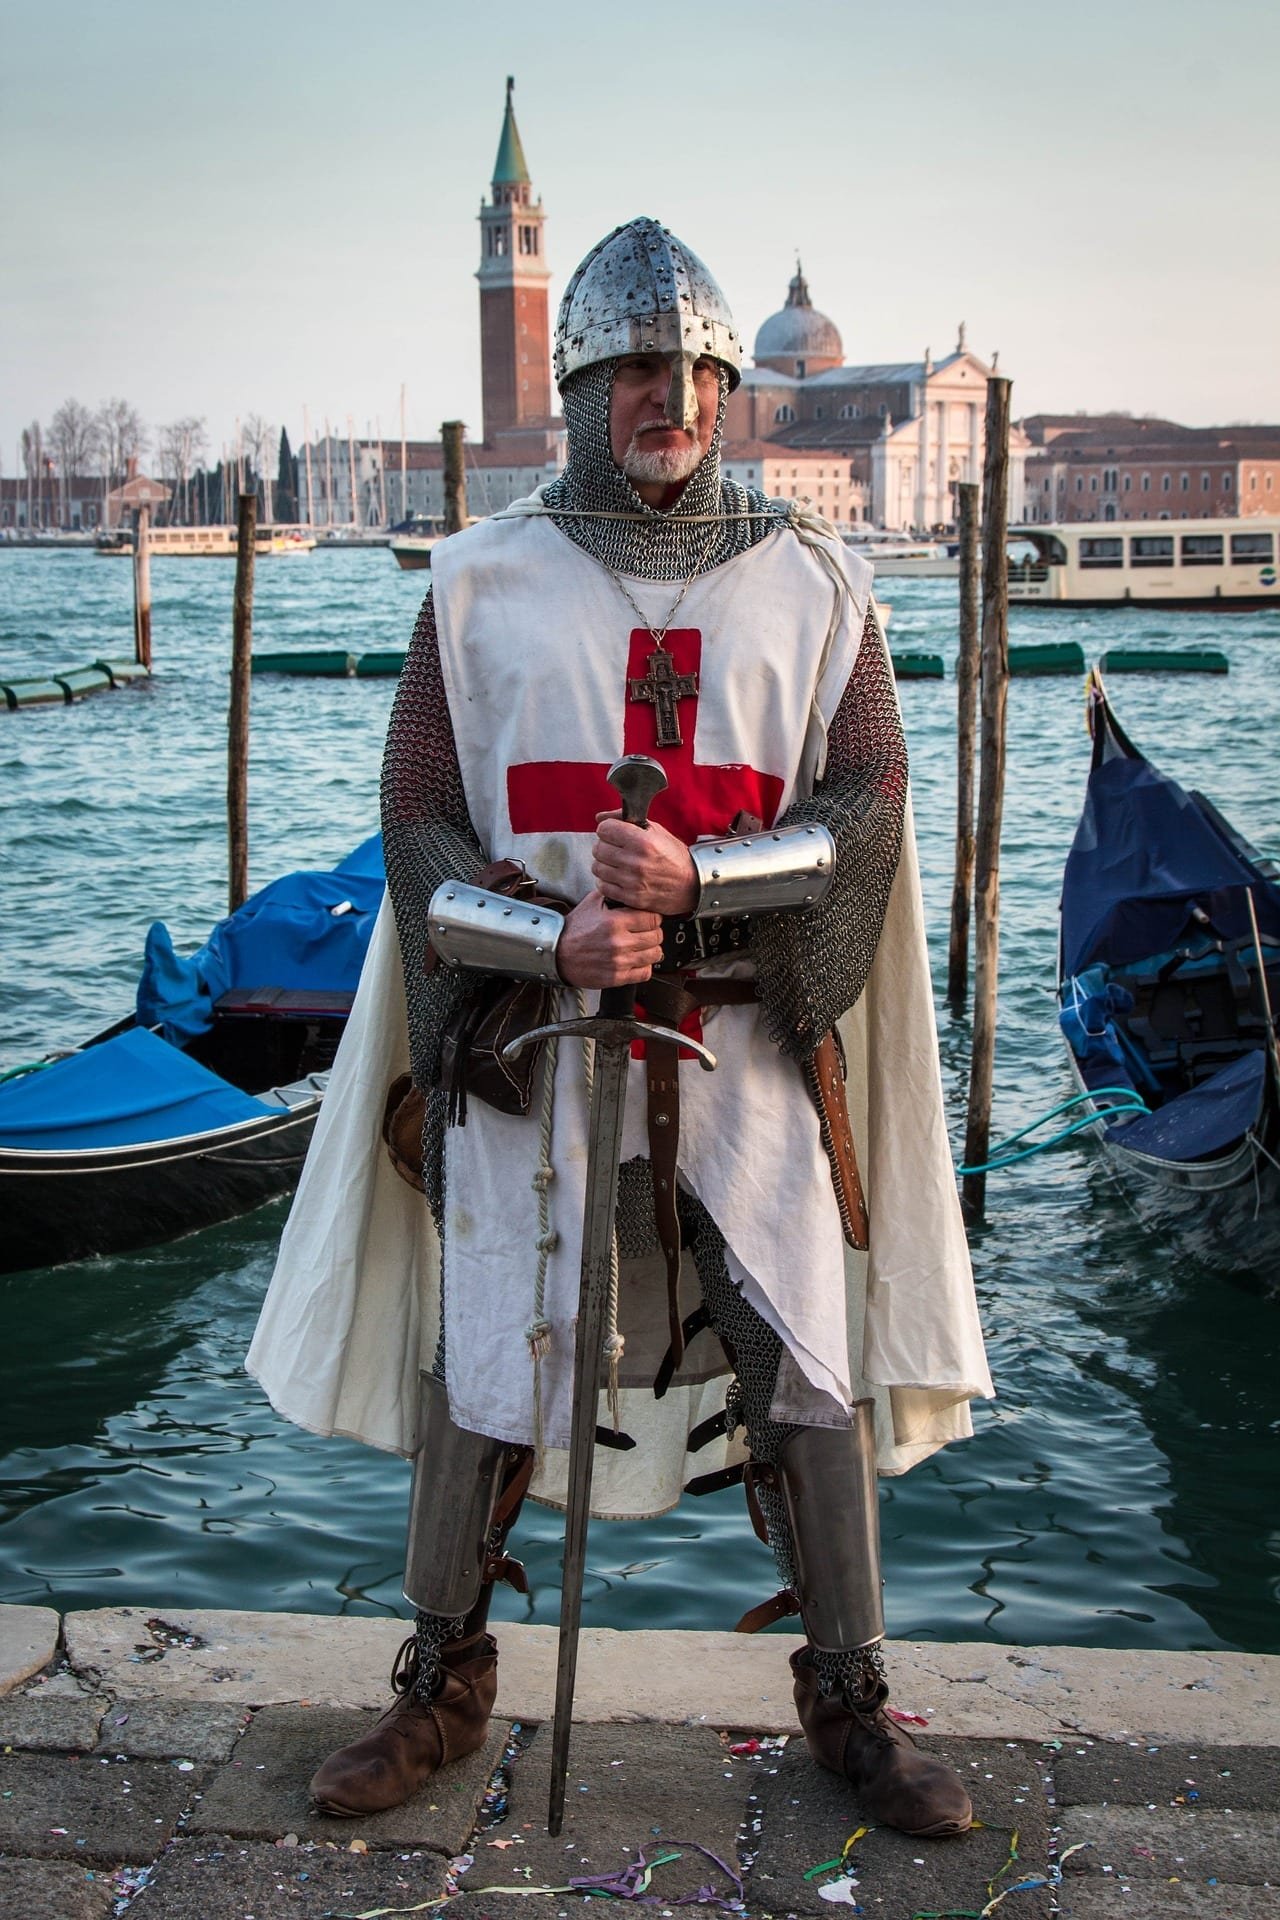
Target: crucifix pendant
(663, 688)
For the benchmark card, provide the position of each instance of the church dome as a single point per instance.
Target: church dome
(799, 333)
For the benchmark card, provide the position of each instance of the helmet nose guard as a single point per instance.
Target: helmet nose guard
(641, 290)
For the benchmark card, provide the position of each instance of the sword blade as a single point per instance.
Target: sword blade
(608, 1106)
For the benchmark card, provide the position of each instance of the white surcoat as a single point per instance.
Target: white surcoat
(537, 648)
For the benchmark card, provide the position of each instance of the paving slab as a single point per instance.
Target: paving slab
(710, 1679)
(52, 1890)
(1182, 1843)
(807, 1814)
(28, 1641)
(1246, 1779)
(98, 1812)
(52, 1725)
(1092, 1901)
(627, 1789)
(217, 1877)
(171, 1729)
(261, 1794)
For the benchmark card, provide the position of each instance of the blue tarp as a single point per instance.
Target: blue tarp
(127, 1090)
(307, 930)
(1143, 855)
(1205, 1120)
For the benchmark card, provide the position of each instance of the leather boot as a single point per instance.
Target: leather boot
(896, 1784)
(414, 1737)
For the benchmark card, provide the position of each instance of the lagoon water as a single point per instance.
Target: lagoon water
(1119, 1492)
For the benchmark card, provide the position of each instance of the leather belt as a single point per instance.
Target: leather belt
(669, 999)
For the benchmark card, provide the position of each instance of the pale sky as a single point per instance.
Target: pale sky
(245, 208)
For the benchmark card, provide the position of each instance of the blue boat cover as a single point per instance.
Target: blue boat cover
(1143, 855)
(127, 1090)
(307, 930)
(1205, 1120)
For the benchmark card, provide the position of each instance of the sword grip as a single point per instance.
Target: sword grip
(638, 781)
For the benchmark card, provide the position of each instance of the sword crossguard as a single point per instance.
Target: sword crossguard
(609, 1031)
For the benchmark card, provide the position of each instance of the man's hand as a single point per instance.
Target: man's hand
(604, 946)
(644, 866)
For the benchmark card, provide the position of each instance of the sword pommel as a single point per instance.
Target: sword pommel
(638, 781)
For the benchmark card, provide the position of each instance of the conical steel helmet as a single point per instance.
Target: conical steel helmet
(640, 290)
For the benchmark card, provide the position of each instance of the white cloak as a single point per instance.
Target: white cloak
(353, 1306)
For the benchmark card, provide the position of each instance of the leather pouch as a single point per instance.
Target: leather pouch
(499, 1011)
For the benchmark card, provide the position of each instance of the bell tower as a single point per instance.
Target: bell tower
(515, 348)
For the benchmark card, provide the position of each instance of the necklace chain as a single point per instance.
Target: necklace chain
(657, 634)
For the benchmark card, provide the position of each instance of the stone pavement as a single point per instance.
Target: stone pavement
(156, 1765)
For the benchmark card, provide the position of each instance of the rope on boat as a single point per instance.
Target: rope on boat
(1127, 1102)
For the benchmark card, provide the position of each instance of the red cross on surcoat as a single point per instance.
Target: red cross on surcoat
(564, 796)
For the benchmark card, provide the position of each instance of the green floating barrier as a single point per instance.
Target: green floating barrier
(122, 672)
(33, 693)
(1058, 656)
(918, 666)
(372, 665)
(337, 666)
(79, 681)
(1163, 660)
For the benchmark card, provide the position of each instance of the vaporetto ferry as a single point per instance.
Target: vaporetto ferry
(1227, 564)
(204, 543)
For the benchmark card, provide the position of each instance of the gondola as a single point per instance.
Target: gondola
(199, 1105)
(1168, 985)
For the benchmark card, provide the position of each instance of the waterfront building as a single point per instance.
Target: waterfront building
(894, 438)
(1113, 467)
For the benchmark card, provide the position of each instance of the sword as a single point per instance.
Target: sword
(638, 781)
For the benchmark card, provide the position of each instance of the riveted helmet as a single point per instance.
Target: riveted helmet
(640, 290)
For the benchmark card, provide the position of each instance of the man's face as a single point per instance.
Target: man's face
(652, 452)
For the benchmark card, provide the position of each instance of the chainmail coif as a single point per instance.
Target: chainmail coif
(652, 543)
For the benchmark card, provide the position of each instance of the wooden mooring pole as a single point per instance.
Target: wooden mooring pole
(966, 704)
(995, 687)
(455, 477)
(238, 711)
(142, 588)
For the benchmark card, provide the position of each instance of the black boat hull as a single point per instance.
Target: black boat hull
(1224, 1211)
(72, 1206)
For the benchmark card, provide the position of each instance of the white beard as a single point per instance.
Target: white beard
(661, 465)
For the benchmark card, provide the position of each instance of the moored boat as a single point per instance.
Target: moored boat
(1169, 980)
(199, 1105)
(1225, 565)
(205, 543)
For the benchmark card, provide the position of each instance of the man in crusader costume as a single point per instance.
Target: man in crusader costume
(764, 1322)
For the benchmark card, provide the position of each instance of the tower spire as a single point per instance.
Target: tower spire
(510, 169)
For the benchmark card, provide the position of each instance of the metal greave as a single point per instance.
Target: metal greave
(828, 1477)
(457, 1479)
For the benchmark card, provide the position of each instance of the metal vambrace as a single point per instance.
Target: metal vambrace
(457, 1480)
(471, 927)
(828, 1477)
(766, 872)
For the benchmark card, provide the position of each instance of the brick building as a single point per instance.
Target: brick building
(1112, 467)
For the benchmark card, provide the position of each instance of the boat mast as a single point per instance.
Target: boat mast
(328, 470)
(404, 462)
(351, 468)
(306, 439)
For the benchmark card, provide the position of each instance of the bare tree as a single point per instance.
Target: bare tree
(123, 437)
(73, 436)
(179, 447)
(258, 443)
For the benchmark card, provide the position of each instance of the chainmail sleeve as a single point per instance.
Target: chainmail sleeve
(427, 837)
(811, 967)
